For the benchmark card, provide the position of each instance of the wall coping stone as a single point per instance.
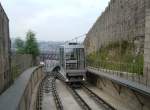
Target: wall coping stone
(10, 99)
(127, 83)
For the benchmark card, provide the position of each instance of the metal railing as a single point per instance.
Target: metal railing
(138, 78)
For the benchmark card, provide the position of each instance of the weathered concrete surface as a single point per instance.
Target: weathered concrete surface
(89, 100)
(48, 102)
(108, 98)
(18, 96)
(119, 95)
(5, 72)
(14, 93)
(147, 44)
(67, 99)
(142, 88)
(19, 63)
(34, 96)
(121, 20)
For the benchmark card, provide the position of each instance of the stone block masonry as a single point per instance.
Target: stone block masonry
(20, 95)
(147, 43)
(120, 97)
(123, 20)
(19, 63)
(5, 74)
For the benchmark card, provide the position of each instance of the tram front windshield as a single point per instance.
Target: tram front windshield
(74, 58)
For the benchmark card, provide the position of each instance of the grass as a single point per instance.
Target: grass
(119, 56)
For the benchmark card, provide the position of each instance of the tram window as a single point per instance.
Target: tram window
(73, 58)
(71, 66)
(70, 54)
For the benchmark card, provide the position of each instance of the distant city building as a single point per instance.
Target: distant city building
(49, 47)
(5, 45)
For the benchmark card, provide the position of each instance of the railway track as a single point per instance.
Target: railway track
(79, 100)
(76, 96)
(39, 96)
(56, 96)
(48, 86)
(97, 99)
(103, 105)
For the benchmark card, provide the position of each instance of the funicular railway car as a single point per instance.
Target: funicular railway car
(72, 60)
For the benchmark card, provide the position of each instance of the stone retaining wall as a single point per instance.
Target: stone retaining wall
(126, 98)
(19, 95)
(147, 44)
(5, 74)
(26, 100)
(19, 63)
(121, 20)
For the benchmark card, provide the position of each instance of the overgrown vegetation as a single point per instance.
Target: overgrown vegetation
(119, 56)
(19, 44)
(29, 46)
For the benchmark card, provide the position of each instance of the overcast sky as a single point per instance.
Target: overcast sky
(54, 20)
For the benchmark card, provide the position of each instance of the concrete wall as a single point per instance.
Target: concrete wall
(5, 74)
(20, 95)
(121, 20)
(120, 97)
(26, 102)
(19, 63)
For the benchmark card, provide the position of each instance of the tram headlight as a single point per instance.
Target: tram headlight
(83, 79)
(42, 63)
(67, 80)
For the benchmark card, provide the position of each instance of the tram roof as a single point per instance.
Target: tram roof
(72, 45)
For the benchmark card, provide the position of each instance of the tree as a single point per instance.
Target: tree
(19, 44)
(31, 45)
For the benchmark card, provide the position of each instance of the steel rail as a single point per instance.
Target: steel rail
(39, 96)
(60, 76)
(79, 100)
(48, 85)
(97, 99)
(56, 97)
